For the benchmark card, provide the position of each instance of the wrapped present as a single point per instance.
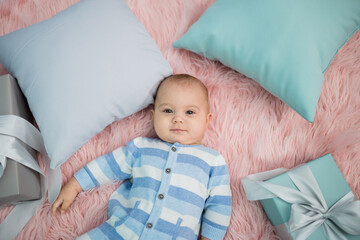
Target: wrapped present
(22, 177)
(312, 201)
(17, 182)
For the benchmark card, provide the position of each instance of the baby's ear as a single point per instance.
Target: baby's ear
(152, 110)
(208, 118)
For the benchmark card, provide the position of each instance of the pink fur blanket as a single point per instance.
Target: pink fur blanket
(252, 129)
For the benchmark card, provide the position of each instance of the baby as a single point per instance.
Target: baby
(174, 186)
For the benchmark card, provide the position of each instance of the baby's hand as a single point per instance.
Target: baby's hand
(66, 196)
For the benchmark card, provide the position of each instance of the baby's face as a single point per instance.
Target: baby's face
(180, 113)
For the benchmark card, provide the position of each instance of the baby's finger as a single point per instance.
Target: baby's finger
(65, 205)
(56, 205)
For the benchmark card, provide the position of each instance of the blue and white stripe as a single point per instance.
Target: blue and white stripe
(199, 180)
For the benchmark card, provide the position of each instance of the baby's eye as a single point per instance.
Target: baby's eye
(167, 111)
(189, 112)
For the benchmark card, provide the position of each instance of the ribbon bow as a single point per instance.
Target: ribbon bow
(309, 210)
(15, 133)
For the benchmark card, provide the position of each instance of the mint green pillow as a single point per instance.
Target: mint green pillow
(284, 45)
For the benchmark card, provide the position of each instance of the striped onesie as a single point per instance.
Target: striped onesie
(170, 190)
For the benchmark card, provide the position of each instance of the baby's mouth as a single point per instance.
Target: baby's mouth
(177, 130)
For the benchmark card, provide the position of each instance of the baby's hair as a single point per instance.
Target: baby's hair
(184, 79)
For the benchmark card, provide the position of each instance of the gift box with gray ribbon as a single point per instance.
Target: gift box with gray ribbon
(17, 182)
(23, 182)
(312, 201)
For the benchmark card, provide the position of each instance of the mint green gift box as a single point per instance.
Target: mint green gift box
(333, 187)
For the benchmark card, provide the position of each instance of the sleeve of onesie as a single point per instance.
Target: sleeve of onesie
(114, 166)
(217, 212)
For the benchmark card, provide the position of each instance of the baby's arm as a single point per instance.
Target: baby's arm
(217, 212)
(104, 169)
(66, 196)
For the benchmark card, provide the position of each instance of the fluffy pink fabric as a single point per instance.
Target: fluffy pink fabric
(251, 128)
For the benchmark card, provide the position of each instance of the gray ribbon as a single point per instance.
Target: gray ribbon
(15, 133)
(2, 165)
(309, 210)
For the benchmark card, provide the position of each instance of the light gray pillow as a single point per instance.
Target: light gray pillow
(82, 69)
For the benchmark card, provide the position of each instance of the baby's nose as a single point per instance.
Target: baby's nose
(178, 119)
